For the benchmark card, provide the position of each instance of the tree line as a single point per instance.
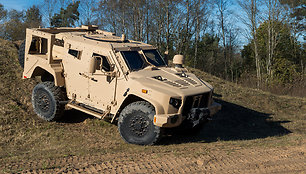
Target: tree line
(259, 39)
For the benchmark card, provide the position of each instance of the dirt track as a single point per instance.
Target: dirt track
(259, 160)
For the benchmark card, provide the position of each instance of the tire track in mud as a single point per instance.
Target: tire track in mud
(289, 160)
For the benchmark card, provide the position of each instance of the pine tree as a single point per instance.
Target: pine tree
(67, 17)
(33, 17)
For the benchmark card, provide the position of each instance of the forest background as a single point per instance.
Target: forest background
(256, 43)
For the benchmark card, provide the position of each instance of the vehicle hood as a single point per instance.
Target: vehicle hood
(173, 81)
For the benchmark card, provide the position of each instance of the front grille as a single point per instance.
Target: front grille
(196, 101)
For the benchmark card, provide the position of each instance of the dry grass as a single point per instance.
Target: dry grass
(249, 118)
(296, 88)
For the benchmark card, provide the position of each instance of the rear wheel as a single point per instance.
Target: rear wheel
(136, 124)
(46, 98)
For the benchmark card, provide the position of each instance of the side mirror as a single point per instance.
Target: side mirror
(97, 65)
(166, 56)
(178, 61)
(94, 64)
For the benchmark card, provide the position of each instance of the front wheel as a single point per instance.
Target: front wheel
(136, 124)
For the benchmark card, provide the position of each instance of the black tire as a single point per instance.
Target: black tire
(136, 126)
(46, 98)
(21, 54)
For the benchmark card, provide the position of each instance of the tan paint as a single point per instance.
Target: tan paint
(68, 55)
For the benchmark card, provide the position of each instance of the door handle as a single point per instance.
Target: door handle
(86, 76)
(93, 79)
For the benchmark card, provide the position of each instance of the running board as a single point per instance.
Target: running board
(87, 110)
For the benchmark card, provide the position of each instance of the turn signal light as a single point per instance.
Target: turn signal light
(144, 91)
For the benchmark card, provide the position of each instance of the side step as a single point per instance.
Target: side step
(88, 110)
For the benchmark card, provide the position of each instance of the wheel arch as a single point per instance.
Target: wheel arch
(57, 77)
(134, 98)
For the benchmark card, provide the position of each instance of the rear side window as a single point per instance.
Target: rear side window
(133, 60)
(38, 46)
(75, 53)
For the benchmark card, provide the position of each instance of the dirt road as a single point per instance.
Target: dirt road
(255, 160)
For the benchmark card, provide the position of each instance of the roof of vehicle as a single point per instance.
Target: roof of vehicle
(91, 35)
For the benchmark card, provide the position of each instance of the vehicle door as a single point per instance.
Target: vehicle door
(102, 82)
(75, 79)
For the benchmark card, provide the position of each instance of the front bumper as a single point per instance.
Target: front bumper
(199, 115)
(195, 116)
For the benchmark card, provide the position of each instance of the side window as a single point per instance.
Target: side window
(38, 45)
(105, 63)
(75, 53)
(34, 48)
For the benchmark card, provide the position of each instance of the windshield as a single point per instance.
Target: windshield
(133, 59)
(154, 58)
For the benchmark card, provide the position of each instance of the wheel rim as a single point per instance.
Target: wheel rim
(139, 125)
(43, 101)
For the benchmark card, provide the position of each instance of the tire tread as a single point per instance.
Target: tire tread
(58, 96)
(140, 104)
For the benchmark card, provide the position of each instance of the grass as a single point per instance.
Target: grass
(250, 118)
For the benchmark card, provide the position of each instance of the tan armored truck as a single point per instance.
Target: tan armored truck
(103, 75)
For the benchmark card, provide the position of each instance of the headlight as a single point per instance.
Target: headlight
(175, 102)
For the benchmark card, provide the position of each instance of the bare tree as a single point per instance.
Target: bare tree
(273, 16)
(201, 15)
(48, 8)
(250, 9)
(87, 11)
(108, 15)
(223, 16)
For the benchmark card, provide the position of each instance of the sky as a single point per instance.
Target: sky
(18, 4)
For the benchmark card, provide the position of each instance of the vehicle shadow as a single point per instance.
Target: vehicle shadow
(74, 116)
(233, 122)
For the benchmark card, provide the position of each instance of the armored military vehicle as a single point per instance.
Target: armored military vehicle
(104, 75)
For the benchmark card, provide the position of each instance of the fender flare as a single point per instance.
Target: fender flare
(56, 72)
(159, 109)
